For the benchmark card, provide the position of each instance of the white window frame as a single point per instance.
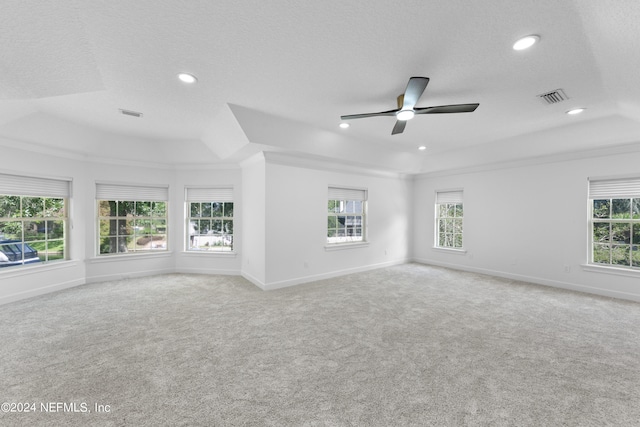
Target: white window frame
(345, 199)
(210, 195)
(26, 187)
(601, 191)
(119, 192)
(444, 226)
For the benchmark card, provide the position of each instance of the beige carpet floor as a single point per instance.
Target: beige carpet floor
(408, 345)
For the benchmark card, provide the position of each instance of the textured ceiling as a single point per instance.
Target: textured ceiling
(278, 75)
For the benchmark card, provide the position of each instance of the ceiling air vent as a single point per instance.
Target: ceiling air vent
(554, 96)
(130, 113)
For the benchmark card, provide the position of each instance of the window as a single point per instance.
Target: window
(615, 222)
(33, 220)
(346, 215)
(449, 215)
(131, 218)
(209, 219)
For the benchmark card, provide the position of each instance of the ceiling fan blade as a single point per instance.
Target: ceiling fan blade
(399, 127)
(413, 92)
(457, 108)
(361, 116)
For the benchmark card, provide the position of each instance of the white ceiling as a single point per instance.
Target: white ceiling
(277, 75)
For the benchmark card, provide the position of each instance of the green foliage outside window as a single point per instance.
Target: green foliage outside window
(450, 217)
(39, 222)
(132, 226)
(616, 232)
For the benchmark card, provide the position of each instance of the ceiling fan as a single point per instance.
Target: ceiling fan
(406, 106)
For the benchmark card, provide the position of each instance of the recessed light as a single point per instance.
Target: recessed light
(405, 115)
(575, 111)
(526, 42)
(187, 78)
(344, 125)
(422, 148)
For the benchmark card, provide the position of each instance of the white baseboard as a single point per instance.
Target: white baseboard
(329, 275)
(536, 280)
(40, 291)
(128, 275)
(252, 279)
(208, 271)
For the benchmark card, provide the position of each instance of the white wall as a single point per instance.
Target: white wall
(296, 222)
(253, 219)
(101, 268)
(84, 266)
(206, 263)
(34, 280)
(527, 221)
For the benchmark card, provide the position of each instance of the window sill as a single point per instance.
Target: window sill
(341, 246)
(221, 254)
(593, 268)
(7, 272)
(129, 257)
(450, 250)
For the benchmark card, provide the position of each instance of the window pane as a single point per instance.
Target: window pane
(11, 230)
(107, 208)
(442, 210)
(448, 240)
(227, 226)
(601, 208)
(457, 225)
(143, 209)
(55, 229)
(457, 240)
(331, 232)
(126, 208)
(332, 222)
(34, 230)
(105, 227)
(621, 233)
(635, 238)
(159, 209)
(451, 210)
(621, 255)
(9, 206)
(357, 206)
(635, 208)
(194, 210)
(601, 253)
(441, 225)
(332, 206)
(205, 226)
(449, 225)
(621, 208)
(32, 207)
(54, 207)
(216, 226)
(441, 239)
(216, 209)
(635, 256)
(158, 242)
(459, 210)
(125, 227)
(341, 221)
(601, 232)
(228, 209)
(54, 250)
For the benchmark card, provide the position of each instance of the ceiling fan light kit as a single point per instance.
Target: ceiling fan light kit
(407, 106)
(405, 115)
